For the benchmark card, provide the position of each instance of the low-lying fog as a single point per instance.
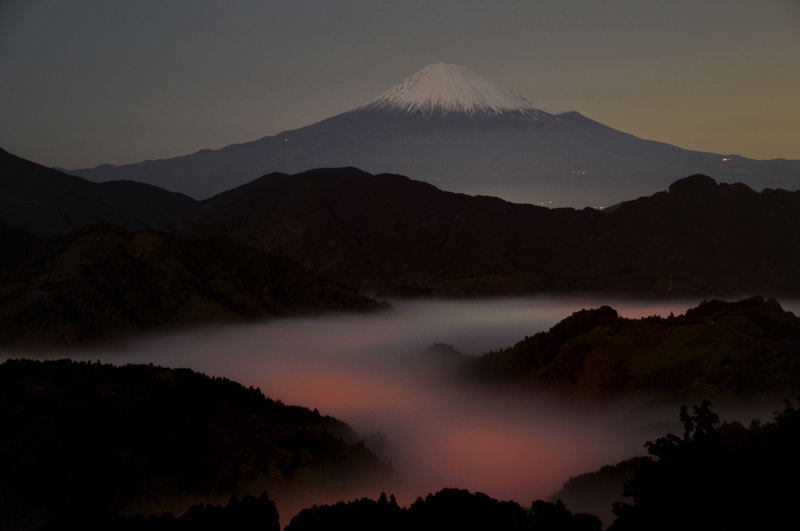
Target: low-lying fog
(367, 371)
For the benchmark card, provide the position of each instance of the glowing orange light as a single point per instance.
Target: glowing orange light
(725, 159)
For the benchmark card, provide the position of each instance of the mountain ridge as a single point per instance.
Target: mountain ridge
(393, 235)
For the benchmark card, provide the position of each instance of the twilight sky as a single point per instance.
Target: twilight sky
(91, 81)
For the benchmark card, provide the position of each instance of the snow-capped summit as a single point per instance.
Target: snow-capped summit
(449, 88)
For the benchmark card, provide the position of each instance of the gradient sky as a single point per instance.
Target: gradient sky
(91, 81)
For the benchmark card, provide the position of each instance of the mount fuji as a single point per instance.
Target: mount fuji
(451, 127)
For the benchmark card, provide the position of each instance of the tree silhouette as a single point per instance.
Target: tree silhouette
(448, 509)
(717, 476)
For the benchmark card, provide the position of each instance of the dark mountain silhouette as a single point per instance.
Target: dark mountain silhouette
(394, 235)
(746, 349)
(450, 127)
(86, 440)
(101, 281)
(46, 201)
(446, 509)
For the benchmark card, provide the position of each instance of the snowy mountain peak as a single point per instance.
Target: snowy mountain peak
(449, 88)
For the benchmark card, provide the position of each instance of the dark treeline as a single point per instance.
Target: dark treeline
(717, 476)
(446, 509)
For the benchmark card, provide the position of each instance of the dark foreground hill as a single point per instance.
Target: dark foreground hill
(82, 439)
(715, 476)
(740, 350)
(398, 236)
(46, 201)
(102, 281)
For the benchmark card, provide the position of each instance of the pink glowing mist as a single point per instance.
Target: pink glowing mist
(368, 370)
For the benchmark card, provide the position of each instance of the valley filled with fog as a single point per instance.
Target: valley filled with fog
(371, 371)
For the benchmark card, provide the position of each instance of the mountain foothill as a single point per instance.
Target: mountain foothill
(731, 352)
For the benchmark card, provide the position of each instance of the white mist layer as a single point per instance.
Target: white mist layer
(367, 370)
